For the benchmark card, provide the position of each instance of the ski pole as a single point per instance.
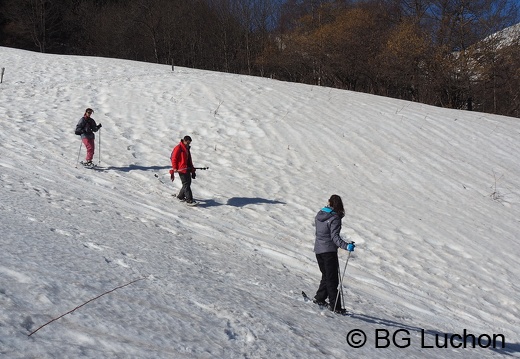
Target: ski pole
(341, 283)
(79, 151)
(194, 168)
(99, 152)
(341, 287)
(350, 249)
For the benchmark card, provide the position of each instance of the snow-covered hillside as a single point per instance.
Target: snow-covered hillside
(506, 37)
(432, 199)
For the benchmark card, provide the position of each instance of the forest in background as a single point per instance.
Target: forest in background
(440, 52)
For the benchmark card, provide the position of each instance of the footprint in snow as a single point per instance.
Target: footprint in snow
(92, 246)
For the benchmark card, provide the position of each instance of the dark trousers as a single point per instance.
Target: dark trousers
(329, 267)
(185, 192)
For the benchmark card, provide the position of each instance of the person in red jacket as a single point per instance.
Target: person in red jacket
(183, 165)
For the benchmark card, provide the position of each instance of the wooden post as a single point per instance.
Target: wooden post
(2, 75)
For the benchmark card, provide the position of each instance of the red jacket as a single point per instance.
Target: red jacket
(181, 159)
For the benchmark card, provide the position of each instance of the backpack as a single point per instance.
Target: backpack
(79, 130)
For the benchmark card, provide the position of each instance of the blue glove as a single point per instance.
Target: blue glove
(351, 246)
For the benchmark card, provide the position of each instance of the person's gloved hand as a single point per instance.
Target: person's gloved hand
(351, 246)
(99, 126)
(193, 175)
(172, 175)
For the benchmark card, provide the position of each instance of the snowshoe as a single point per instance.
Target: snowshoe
(321, 303)
(89, 164)
(341, 311)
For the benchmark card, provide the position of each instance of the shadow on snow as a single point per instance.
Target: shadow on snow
(236, 202)
(244, 201)
(136, 168)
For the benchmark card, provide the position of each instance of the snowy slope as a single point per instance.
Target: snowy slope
(508, 36)
(432, 199)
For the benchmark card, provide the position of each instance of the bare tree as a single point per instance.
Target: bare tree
(39, 20)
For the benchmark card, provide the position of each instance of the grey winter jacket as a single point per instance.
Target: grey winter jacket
(328, 227)
(88, 127)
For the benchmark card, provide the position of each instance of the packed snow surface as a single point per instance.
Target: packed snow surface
(432, 199)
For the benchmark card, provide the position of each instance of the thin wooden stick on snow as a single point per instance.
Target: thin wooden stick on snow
(91, 300)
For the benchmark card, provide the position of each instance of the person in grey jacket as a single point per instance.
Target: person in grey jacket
(86, 128)
(328, 240)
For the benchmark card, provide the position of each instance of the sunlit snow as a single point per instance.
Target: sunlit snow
(432, 198)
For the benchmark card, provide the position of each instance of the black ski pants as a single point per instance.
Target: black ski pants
(329, 267)
(185, 192)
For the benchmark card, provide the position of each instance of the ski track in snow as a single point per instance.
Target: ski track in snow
(223, 279)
